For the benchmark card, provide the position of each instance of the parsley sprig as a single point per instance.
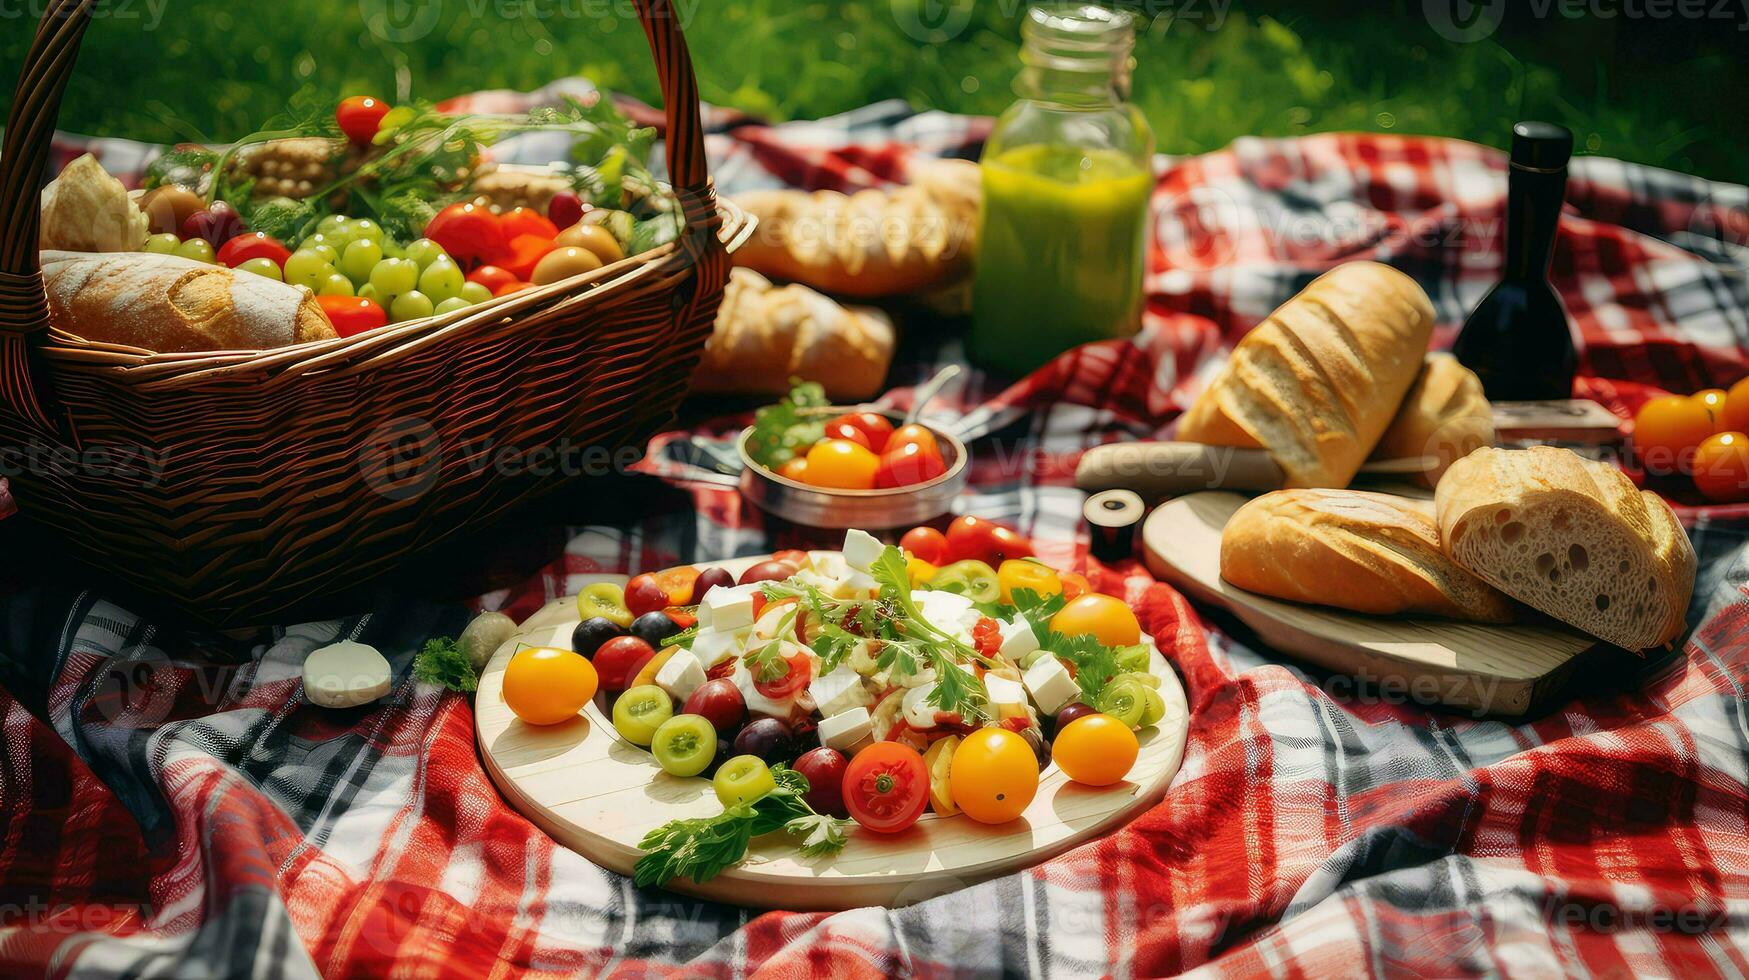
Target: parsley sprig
(699, 848)
(786, 429)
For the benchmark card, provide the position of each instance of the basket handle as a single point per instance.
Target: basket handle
(30, 127)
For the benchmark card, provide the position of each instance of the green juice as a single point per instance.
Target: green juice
(1061, 254)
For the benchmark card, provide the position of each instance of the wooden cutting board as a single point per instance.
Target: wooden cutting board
(599, 795)
(1499, 670)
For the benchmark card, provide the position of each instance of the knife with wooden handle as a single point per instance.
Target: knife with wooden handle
(1169, 469)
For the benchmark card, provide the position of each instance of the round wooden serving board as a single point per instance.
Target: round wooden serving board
(1503, 670)
(598, 795)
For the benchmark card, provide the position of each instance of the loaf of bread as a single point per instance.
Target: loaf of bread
(1370, 552)
(873, 243)
(1317, 382)
(1444, 418)
(1571, 537)
(166, 303)
(767, 335)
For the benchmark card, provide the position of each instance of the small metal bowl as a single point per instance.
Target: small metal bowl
(865, 509)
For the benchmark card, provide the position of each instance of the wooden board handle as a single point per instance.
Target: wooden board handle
(1169, 469)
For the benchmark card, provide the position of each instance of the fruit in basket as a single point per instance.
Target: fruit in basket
(253, 245)
(360, 258)
(565, 209)
(359, 117)
(640, 711)
(886, 787)
(620, 659)
(335, 284)
(169, 205)
(216, 224)
(469, 233)
(824, 768)
(995, 775)
(684, 745)
(412, 305)
(513, 287)
(525, 252)
(909, 464)
(588, 636)
(840, 464)
(527, 221)
(163, 244)
(261, 267)
(1737, 407)
(595, 238)
(1721, 467)
(392, 277)
(451, 305)
(1105, 618)
(422, 252)
(719, 700)
(474, 293)
(492, 277)
(742, 779)
(198, 249)
(1095, 749)
(987, 541)
(544, 685)
(442, 279)
(307, 267)
(352, 315)
(562, 263)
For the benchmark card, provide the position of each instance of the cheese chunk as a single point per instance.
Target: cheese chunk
(838, 691)
(859, 585)
(346, 675)
(1018, 639)
(681, 675)
(861, 549)
(844, 730)
(1004, 693)
(1050, 684)
(713, 646)
(728, 608)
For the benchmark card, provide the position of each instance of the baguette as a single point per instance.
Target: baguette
(1444, 417)
(1319, 380)
(167, 303)
(1572, 538)
(1369, 552)
(766, 335)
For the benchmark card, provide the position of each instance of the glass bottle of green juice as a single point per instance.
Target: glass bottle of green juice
(1064, 225)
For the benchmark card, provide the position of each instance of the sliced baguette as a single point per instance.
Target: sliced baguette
(1444, 418)
(1572, 538)
(1370, 552)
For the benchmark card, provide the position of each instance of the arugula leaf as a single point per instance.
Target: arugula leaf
(784, 430)
(1038, 609)
(442, 661)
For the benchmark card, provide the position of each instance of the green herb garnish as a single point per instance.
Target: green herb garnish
(783, 430)
(442, 661)
(701, 847)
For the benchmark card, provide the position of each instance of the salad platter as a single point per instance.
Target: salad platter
(608, 797)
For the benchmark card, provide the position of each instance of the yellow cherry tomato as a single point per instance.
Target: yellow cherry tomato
(841, 465)
(1024, 573)
(1096, 750)
(1713, 401)
(1107, 619)
(920, 571)
(1666, 432)
(994, 775)
(546, 685)
(939, 759)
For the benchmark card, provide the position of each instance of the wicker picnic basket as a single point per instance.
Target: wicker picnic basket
(238, 484)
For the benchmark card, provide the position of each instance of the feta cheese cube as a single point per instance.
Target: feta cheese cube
(844, 730)
(728, 608)
(713, 646)
(859, 585)
(681, 675)
(839, 691)
(1004, 693)
(1018, 639)
(1050, 684)
(861, 549)
(916, 712)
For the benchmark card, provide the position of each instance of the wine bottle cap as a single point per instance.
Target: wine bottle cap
(1541, 146)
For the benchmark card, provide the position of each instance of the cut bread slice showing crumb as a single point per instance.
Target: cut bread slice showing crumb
(1572, 538)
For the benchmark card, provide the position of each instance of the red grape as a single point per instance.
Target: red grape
(824, 770)
(720, 702)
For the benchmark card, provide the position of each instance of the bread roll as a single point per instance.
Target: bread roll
(1572, 538)
(1444, 416)
(1369, 552)
(167, 303)
(767, 335)
(1319, 380)
(84, 209)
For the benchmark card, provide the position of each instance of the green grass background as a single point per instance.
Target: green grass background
(1668, 92)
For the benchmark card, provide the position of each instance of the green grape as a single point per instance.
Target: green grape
(425, 251)
(328, 245)
(364, 229)
(410, 306)
(442, 279)
(162, 244)
(333, 223)
(392, 277)
(307, 267)
(197, 249)
(335, 285)
(360, 257)
(473, 292)
(452, 304)
(262, 267)
(367, 291)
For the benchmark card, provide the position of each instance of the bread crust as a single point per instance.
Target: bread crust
(765, 335)
(1571, 537)
(1369, 552)
(1445, 415)
(1319, 380)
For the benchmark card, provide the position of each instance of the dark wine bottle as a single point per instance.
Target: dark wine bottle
(1518, 340)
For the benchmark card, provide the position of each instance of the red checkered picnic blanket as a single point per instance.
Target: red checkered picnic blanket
(170, 816)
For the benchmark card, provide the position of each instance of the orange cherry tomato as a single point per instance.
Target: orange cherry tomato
(493, 277)
(842, 465)
(1095, 750)
(1667, 430)
(360, 117)
(352, 314)
(909, 464)
(525, 252)
(1022, 573)
(796, 469)
(912, 434)
(471, 234)
(1737, 407)
(874, 426)
(512, 287)
(1075, 585)
(925, 543)
(545, 685)
(1105, 618)
(1721, 467)
(527, 221)
(994, 775)
(1714, 401)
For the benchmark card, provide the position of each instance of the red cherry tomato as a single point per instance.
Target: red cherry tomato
(916, 434)
(824, 768)
(652, 591)
(926, 544)
(526, 221)
(352, 314)
(511, 287)
(253, 245)
(987, 541)
(873, 425)
(796, 468)
(618, 661)
(720, 702)
(360, 117)
(794, 556)
(471, 234)
(840, 429)
(493, 277)
(525, 253)
(886, 787)
(800, 672)
(565, 209)
(909, 464)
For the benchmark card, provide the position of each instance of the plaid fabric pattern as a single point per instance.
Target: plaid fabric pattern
(175, 817)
